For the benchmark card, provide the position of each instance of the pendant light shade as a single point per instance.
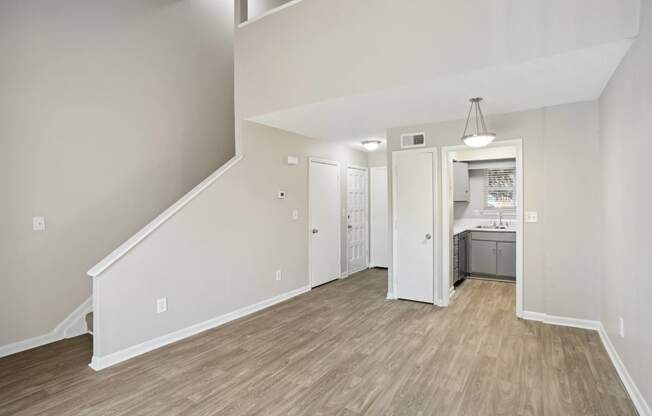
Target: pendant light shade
(481, 137)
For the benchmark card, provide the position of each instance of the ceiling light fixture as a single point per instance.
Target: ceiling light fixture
(371, 145)
(481, 137)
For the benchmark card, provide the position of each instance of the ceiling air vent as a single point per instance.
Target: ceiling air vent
(413, 140)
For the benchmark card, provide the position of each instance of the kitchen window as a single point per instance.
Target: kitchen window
(500, 189)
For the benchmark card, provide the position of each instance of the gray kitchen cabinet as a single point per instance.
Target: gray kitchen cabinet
(483, 257)
(493, 254)
(506, 259)
(461, 182)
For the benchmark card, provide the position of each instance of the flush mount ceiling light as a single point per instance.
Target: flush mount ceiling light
(371, 145)
(481, 137)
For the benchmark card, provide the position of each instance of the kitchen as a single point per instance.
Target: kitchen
(484, 210)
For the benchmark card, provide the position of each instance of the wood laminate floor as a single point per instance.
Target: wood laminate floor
(341, 349)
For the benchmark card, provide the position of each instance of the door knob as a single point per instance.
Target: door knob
(428, 236)
(315, 231)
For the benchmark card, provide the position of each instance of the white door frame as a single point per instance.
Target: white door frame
(371, 209)
(312, 160)
(447, 217)
(393, 293)
(366, 251)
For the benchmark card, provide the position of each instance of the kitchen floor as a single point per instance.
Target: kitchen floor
(341, 349)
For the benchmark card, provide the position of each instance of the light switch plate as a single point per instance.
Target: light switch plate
(295, 214)
(38, 223)
(531, 216)
(161, 305)
(293, 160)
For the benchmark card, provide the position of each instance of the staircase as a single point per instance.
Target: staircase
(89, 322)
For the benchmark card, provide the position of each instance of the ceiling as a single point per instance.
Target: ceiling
(580, 75)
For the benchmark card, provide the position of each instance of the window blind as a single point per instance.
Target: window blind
(500, 189)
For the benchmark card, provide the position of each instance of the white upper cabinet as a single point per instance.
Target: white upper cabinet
(461, 182)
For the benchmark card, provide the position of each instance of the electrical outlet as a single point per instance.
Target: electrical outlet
(295, 214)
(161, 305)
(278, 275)
(38, 223)
(621, 327)
(531, 216)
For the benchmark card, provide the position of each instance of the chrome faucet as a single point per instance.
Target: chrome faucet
(500, 218)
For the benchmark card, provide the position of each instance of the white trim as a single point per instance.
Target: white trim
(324, 161)
(358, 270)
(561, 320)
(358, 167)
(370, 213)
(634, 393)
(100, 363)
(116, 254)
(391, 296)
(30, 343)
(447, 216)
(344, 275)
(68, 328)
(75, 324)
(269, 12)
(312, 160)
(436, 227)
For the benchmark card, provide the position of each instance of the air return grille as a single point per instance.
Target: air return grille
(413, 140)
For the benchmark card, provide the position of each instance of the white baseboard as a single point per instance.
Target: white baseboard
(344, 275)
(72, 326)
(28, 344)
(100, 363)
(75, 324)
(391, 296)
(561, 320)
(634, 393)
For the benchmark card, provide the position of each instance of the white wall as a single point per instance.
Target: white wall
(358, 46)
(626, 181)
(560, 144)
(109, 111)
(225, 245)
(377, 158)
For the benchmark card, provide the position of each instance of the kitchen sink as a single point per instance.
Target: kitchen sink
(491, 227)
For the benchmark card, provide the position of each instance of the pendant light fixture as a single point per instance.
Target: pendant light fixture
(481, 137)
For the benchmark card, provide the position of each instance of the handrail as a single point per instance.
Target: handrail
(116, 254)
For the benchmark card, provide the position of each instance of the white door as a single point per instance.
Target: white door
(356, 215)
(324, 224)
(379, 217)
(414, 225)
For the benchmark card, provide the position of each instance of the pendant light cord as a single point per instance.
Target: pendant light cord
(468, 117)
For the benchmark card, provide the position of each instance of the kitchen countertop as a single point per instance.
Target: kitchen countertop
(470, 225)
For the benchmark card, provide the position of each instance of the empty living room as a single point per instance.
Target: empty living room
(325, 207)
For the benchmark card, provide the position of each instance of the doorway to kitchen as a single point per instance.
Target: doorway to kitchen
(482, 216)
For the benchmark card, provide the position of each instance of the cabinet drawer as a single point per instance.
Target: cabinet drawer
(493, 236)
